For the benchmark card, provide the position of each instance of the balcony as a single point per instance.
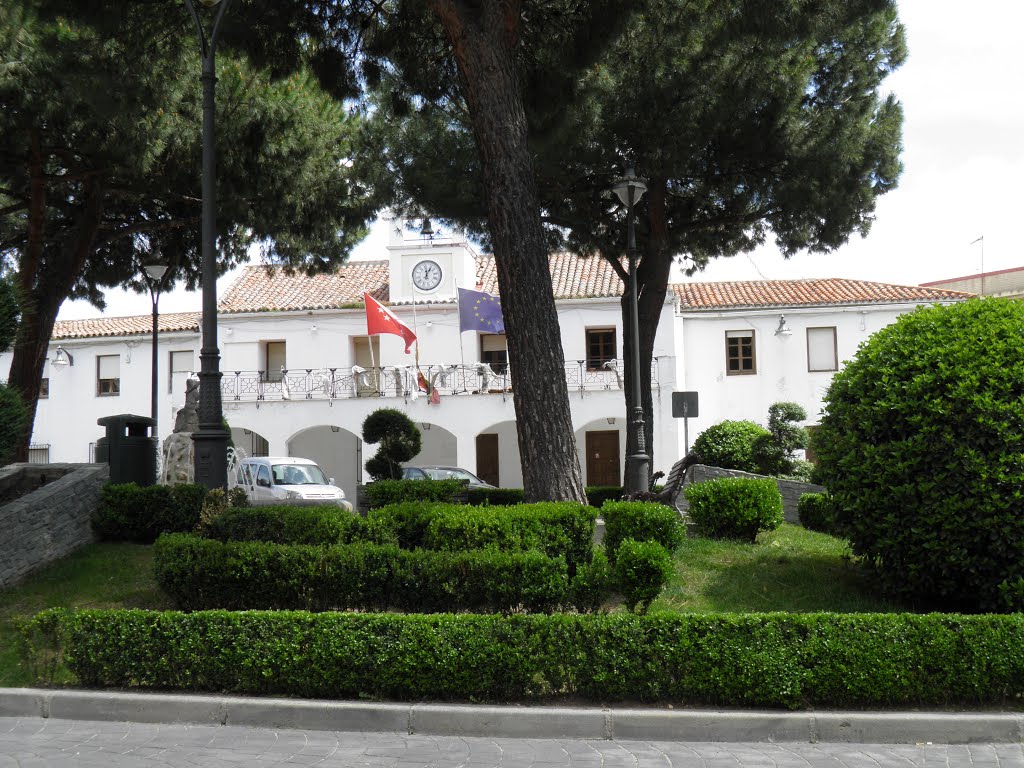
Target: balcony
(401, 381)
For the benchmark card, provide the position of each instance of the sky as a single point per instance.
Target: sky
(962, 90)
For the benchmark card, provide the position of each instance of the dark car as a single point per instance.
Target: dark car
(444, 473)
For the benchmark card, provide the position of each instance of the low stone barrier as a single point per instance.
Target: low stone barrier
(51, 517)
(791, 490)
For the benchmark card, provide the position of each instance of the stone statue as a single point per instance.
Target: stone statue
(178, 459)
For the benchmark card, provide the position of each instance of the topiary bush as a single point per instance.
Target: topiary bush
(817, 512)
(922, 446)
(642, 568)
(729, 445)
(735, 507)
(399, 438)
(773, 453)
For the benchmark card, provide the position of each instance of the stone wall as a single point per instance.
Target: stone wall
(51, 520)
(790, 489)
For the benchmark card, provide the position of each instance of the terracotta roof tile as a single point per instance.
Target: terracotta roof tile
(269, 289)
(126, 326)
(794, 293)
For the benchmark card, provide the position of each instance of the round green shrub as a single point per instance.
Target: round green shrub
(729, 445)
(922, 446)
(735, 507)
(817, 512)
(642, 568)
(641, 521)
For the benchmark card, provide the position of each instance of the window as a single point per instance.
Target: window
(44, 388)
(108, 375)
(821, 349)
(274, 355)
(494, 352)
(179, 367)
(600, 347)
(739, 353)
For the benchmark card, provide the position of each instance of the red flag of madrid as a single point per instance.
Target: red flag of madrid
(380, 319)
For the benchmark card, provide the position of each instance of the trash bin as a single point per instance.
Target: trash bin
(129, 447)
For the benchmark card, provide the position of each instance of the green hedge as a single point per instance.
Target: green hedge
(752, 660)
(641, 521)
(817, 512)
(295, 525)
(561, 529)
(735, 507)
(384, 492)
(200, 573)
(558, 529)
(128, 512)
(479, 497)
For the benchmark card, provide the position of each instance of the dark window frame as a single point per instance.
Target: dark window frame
(740, 358)
(600, 347)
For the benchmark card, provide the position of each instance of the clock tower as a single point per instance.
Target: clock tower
(428, 266)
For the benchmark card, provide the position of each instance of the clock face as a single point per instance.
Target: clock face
(426, 275)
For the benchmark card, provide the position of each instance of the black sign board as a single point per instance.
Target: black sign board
(684, 405)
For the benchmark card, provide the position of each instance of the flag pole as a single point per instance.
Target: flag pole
(458, 312)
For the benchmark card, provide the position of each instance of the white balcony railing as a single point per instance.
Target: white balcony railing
(404, 381)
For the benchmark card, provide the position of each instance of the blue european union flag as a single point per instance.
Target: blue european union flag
(479, 311)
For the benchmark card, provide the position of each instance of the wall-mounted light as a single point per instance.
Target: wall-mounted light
(426, 426)
(611, 419)
(62, 359)
(783, 329)
(335, 429)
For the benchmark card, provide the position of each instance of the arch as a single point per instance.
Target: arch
(510, 467)
(338, 451)
(440, 446)
(250, 442)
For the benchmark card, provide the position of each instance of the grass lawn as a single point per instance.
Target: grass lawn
(791, 569)
(97, 576)
(788, 570)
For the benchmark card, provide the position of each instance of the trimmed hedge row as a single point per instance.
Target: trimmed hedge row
(295, 525)
(559, 529)
(128, 512)
(384, 492)
(760, 660)
(641, 521)
(735, 507)
(199, 573)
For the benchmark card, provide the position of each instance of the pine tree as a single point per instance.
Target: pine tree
(99, 165)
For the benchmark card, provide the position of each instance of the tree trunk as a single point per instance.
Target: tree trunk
(45, 276)
(484, 38)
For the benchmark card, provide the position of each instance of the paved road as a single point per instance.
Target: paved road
(28, 742)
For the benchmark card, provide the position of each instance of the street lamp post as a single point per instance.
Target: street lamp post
(210, 442)
(155, 271)
(629, 190)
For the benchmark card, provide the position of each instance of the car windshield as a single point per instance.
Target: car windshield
(451, 473)
(298, 474)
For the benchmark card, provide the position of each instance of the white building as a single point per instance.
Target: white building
(289, 345)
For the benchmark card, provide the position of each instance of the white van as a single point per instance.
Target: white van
(288, 480)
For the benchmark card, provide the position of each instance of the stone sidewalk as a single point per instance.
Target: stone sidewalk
(28, 742)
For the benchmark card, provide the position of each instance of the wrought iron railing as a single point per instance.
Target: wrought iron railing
(405, 381)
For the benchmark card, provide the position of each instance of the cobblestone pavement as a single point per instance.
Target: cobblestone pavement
(31, 742)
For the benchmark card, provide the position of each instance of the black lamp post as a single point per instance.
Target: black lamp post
(629, 190)
(155, 272)
(211, 441)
